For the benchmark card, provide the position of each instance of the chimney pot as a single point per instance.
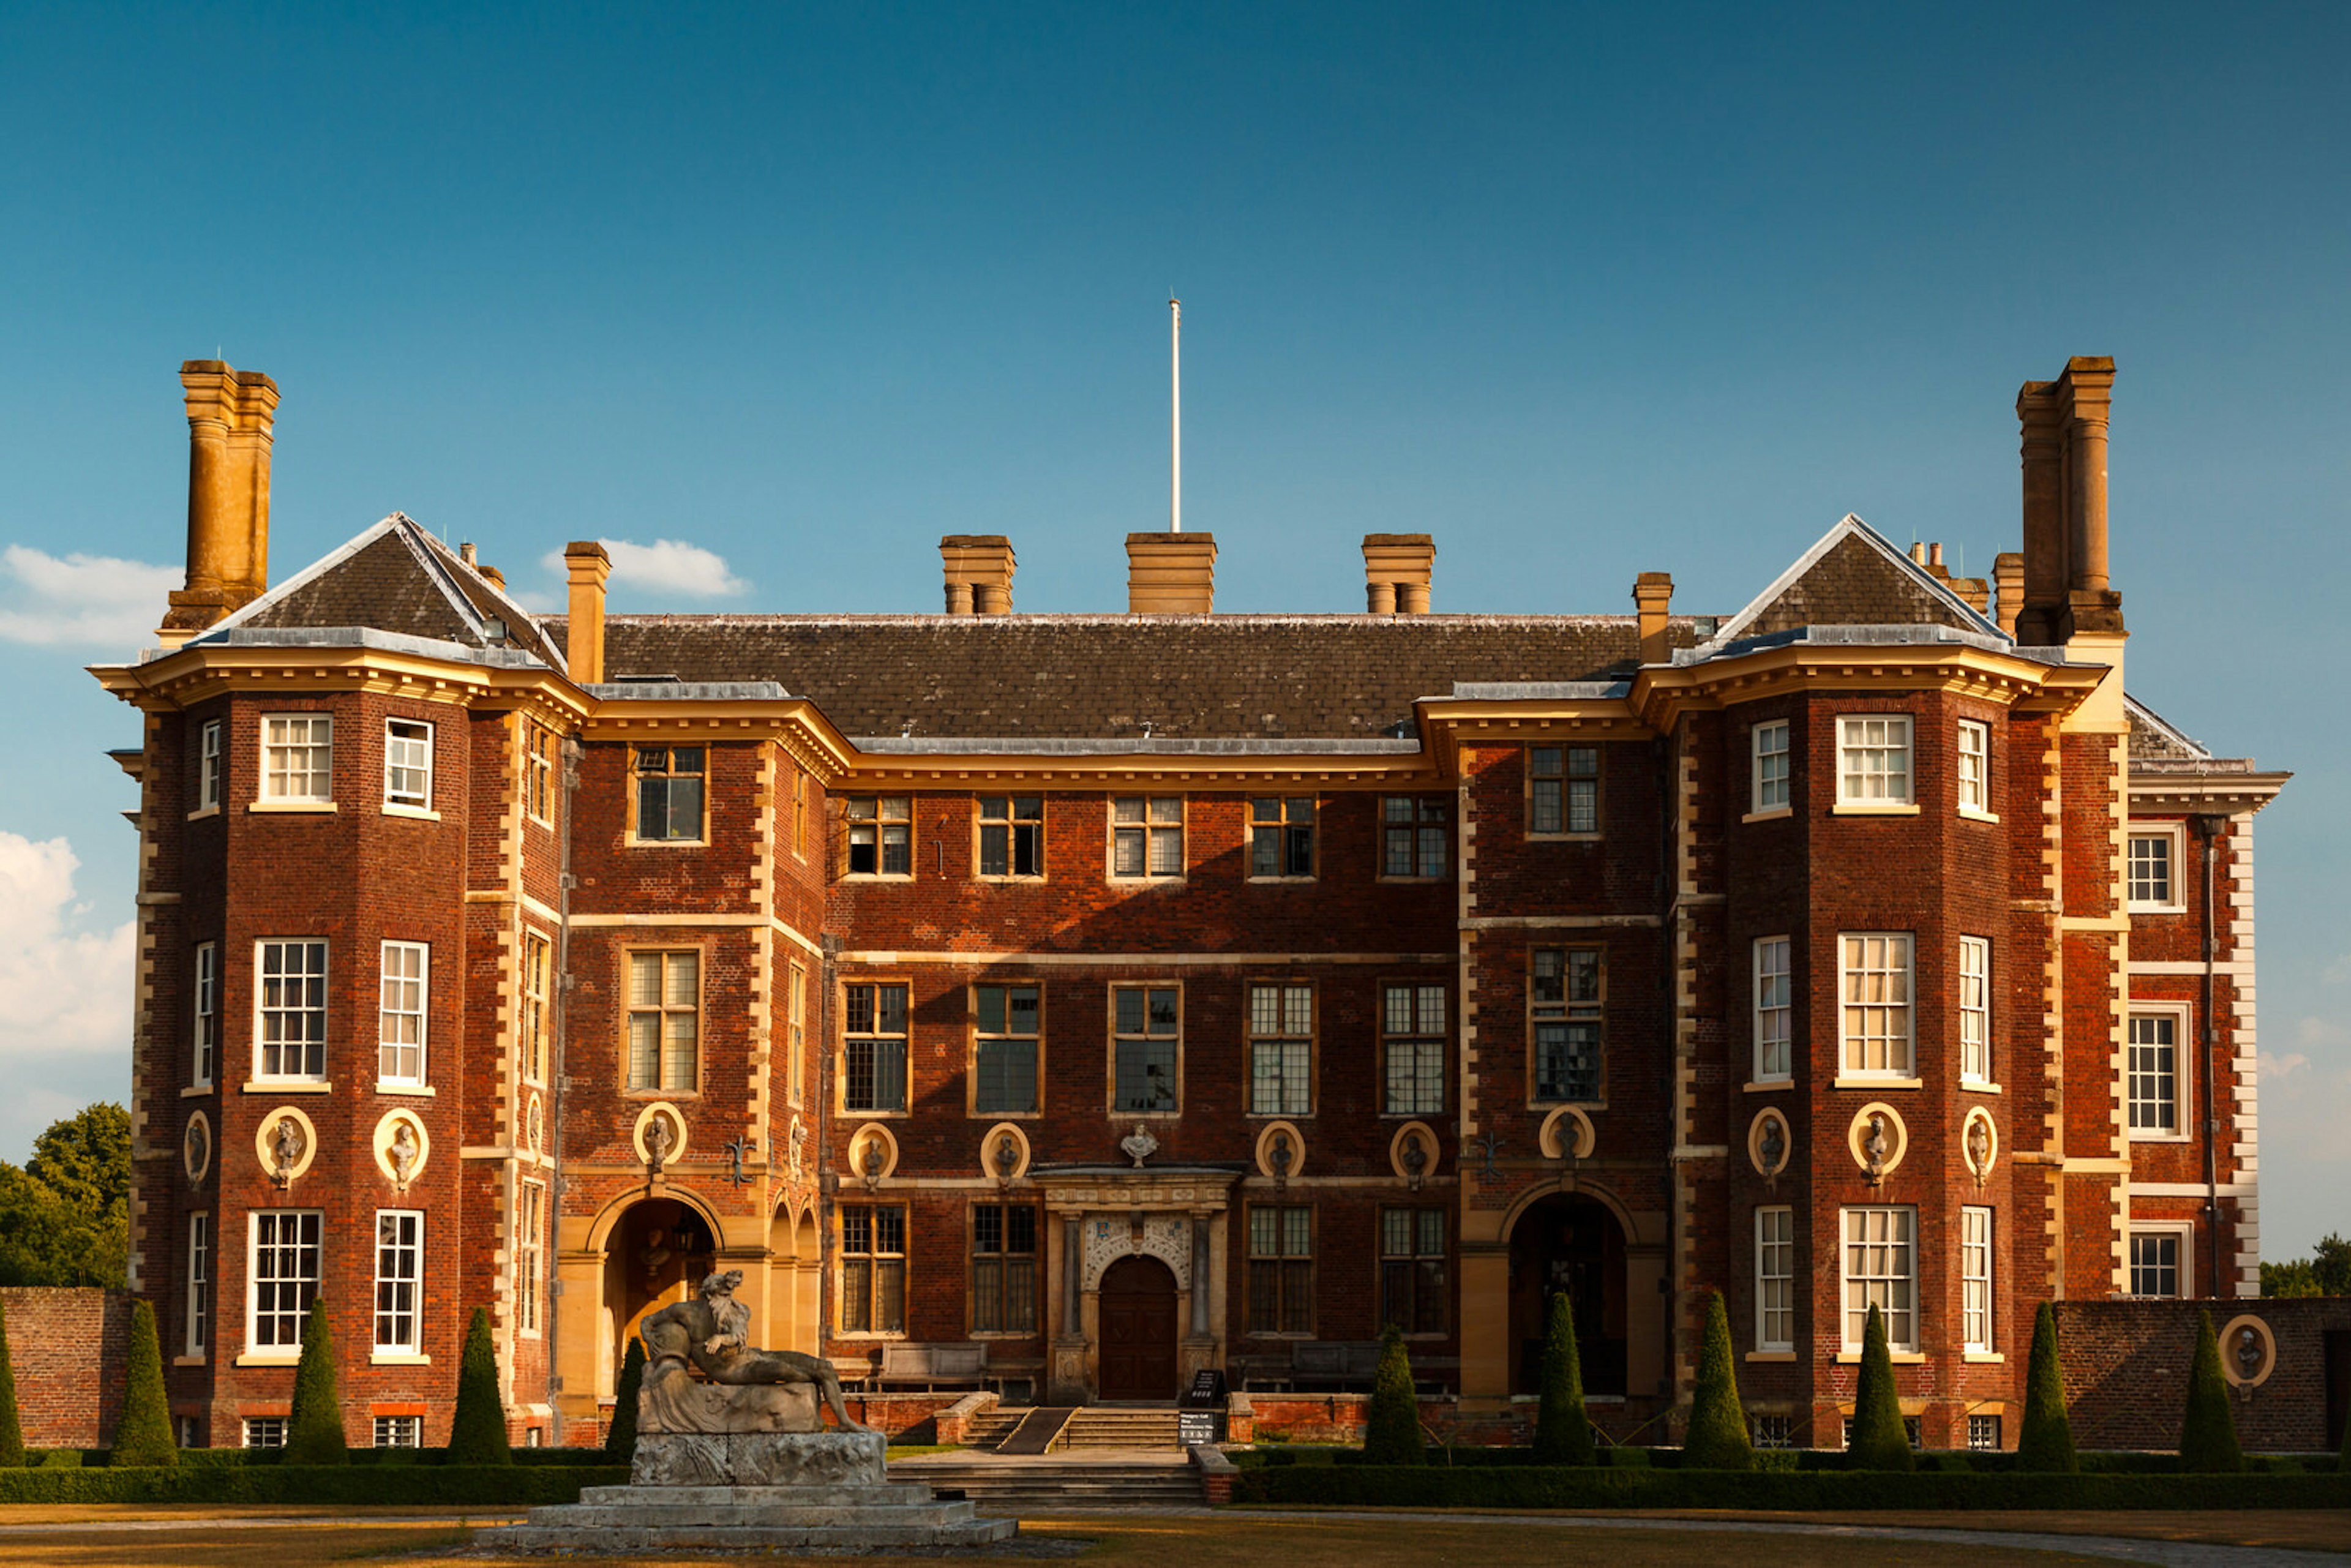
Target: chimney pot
(1396, 573)
(1935, 554)
(1171, 574)
(465, 554)
(978, 570)
(589, 565)
(232, 422)
(1653, 599)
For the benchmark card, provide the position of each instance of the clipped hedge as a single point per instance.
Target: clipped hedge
(1433, 1486)
(393, 1485)
(240, 1458)
(1788, 1461)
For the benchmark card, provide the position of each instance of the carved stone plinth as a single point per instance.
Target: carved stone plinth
(745, 1490)
(760, 1459)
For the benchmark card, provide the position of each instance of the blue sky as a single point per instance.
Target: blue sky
(1582, 292)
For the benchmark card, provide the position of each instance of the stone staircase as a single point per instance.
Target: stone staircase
(992, 1427)
(1057, 1483)
(1109, 1426)
(635, 1519)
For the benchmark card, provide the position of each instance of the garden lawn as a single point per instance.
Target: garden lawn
(155, 1537)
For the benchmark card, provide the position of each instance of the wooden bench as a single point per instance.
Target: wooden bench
(1333, 1365)
(957, 1364)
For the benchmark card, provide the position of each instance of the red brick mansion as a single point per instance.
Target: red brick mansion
(1068, 1004)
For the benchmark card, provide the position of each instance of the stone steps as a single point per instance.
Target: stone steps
(1099, 1428)
(628, 1519)
(602, 1539)
(1042, 1487)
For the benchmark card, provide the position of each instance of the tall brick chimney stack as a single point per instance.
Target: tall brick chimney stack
(589, 566)
(2067, 587)
(1396, 573)
(231, 417)
(1171, 574)
(2008, 576)
(979, 569)
(1653, 597)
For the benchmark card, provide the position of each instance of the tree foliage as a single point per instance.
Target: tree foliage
(620, 1439)
(143, 1435)
(2326, 1272)
(477, 1432)
(314, 1429)
(1717, 1439)
(1563, 1429)
(12, 1433)
(2208, 1436)
(1879, 1440)
(2047, 1441)
(1392, 1425)
(65, 1215)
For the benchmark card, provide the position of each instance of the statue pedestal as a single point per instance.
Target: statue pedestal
(728, 1491)
(760, 1459)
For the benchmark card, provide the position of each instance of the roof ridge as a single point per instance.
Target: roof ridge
(1851, 526)
(302, 578)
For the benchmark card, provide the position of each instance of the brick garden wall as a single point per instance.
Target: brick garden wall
(68, 1348)
(2126, 1371)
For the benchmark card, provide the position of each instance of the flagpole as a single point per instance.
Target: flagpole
(1174, 415)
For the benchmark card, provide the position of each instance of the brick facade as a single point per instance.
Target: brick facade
(1540, 839)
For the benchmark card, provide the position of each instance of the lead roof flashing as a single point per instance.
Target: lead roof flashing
(689, 691)
(1109, 745)
(226, 636)
(1901, 634)
(1534, 691)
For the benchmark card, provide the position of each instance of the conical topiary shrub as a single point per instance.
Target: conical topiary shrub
(477, 1432)
(1563, 1429)
(2047, 1441)
(1392, 1425)
(314, 1431)
(2208, 1436)
(1878, 1441)
(12, 1432)
(1717, 1439)
(621, 1441)
(144, 1435)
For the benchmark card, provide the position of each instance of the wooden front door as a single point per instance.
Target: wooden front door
(1138, 1330)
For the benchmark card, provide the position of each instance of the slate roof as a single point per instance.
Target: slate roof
(1855, 576)
(397, 578)
(1188, 676)
(2154, 737)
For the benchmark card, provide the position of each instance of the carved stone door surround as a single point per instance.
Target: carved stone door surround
(1101, 1214)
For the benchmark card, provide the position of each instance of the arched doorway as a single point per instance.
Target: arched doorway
(1574, 1243)
(657, 1252)
(1138, 1330)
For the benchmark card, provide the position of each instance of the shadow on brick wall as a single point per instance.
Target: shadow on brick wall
(2126, 1370)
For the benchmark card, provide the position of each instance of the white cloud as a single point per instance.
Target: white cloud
(2279, 1066)
(2323, 1033)
(665, 566)
(85, 600)
(64, 991)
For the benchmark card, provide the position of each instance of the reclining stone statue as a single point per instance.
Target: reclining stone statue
(749, 1390)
